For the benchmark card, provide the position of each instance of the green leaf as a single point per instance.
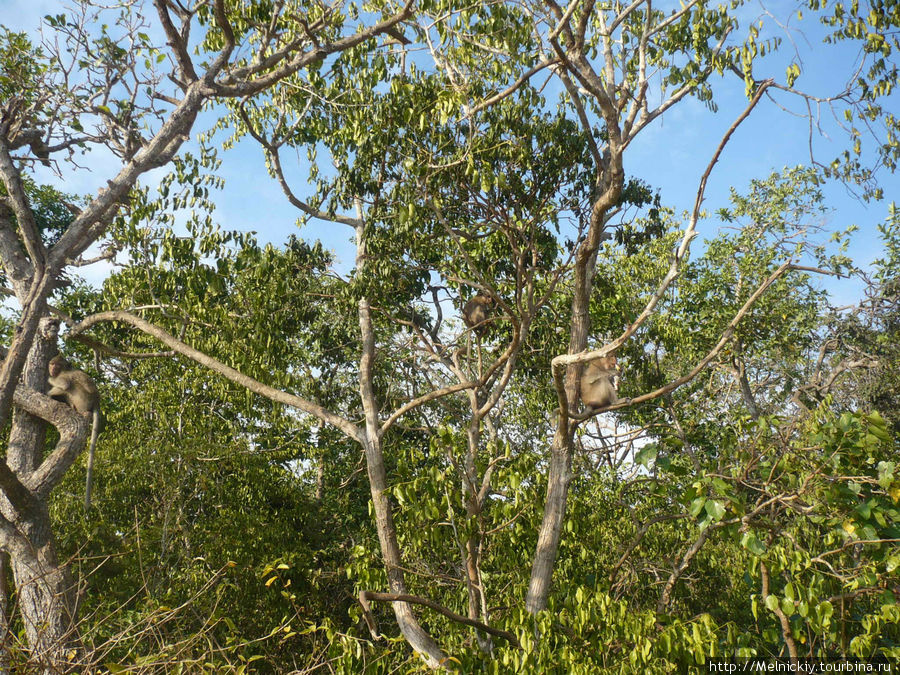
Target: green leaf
(787, 606)
(864, 510)
(752, 543)
(646, 455)
(886, 473)
(697, 506)
(715, 509)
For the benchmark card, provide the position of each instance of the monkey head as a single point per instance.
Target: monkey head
(57, 365)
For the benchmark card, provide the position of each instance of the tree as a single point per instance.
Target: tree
(455, 176)
(139, 102)
(863, 340)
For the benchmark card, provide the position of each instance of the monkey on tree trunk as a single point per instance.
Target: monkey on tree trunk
(76, 388)
(598, 383)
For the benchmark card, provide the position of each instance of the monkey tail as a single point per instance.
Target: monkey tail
(480, 362)
(89, 478)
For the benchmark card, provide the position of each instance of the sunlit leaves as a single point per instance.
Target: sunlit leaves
(22, 66)
(874, 27)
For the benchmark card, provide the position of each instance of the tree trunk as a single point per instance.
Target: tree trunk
(415, 635)
(44, 589)
(320, 478)
(560, 470)
(559, 475)
(6, 634)
(46, 598)
(477, 603)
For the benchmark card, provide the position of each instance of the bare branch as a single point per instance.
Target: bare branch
(675, 16)
(225, 53)
(351, 430)
(560, 362)
(234, 87)
(689, 555)
(272, 152)
(726, 336)
(563, 18)
(15, 191)
(430, 396)
(511, 89)
(175, 42)
(624, 15)
(638, 538)
(586, 125)
(364, 596)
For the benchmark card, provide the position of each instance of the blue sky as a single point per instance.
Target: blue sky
(671, 155)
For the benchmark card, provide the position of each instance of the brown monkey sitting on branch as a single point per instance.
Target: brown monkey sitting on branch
(76, 388)
(599, 383)
(477, 311)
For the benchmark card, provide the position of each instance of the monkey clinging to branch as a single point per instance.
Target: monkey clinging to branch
(76, 388)
(599, 381)
(477, 311)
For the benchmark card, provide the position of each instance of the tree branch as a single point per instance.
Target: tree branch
(430, 396)
(275, 158)
(666, 595)
(316, 53)
(559, 363)
(511, 89)
(72, 427)
(176, 44)
(73, 433)
(24, 217)
(13, 256)
(726, 336)
(782, 618)
(365, 596)
(350, 429)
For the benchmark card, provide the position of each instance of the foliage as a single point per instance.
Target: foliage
(744, 499)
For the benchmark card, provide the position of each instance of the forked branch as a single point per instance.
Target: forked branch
(365, 596)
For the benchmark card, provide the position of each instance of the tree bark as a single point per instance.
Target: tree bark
(559, 475)
(558, 479)
(6, 634)
(415, 635)
(783, 620)
(666, 596)
(44, 589)
(46, 597)
(477, 604)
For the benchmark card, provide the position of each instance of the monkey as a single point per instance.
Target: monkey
(77, 389)
(41, 151)
(476, 314)
(477, 311)
(599, 383)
